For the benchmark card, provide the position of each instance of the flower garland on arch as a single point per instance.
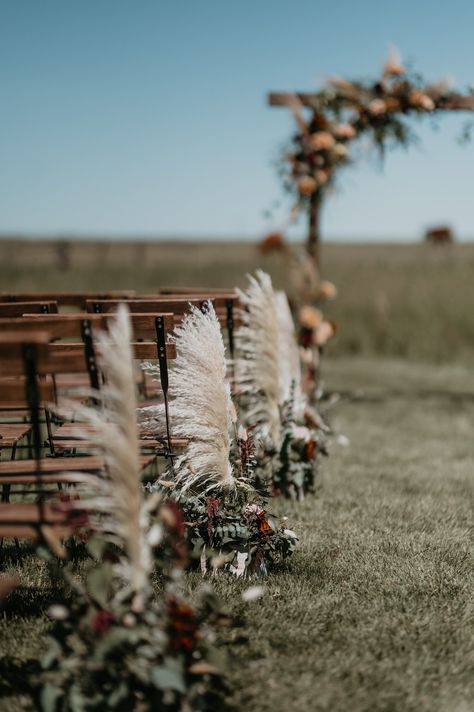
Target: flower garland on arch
(341, 113)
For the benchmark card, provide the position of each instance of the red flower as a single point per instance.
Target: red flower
(310, 449)
(263, 525)
(183, 628)
(179, 523)
(212, 505)
(101, 621)
(306, 337)
(77, 517)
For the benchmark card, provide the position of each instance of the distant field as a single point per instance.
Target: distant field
(411, 301)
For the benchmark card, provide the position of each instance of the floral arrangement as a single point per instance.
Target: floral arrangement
(105, 651)
(344, 110)
(314, 333)
(269, 388)
(115, 643)
(237, 532)
(213, 479)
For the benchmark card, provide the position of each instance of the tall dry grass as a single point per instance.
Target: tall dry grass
(412, 301)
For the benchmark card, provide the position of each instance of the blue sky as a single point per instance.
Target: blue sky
(141, 117)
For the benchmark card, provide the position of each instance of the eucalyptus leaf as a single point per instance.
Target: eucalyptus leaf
(77, 700)
(116, 637)
(96, 547)
(99, 583)
(52, 654)
(49, 697)
(169, 676)
(118, 695)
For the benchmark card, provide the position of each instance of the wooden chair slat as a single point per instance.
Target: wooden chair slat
(67, 299)
(176, 306)
(13, 393)
(86, 463)
(16, 309)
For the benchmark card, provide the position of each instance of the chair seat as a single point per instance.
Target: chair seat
(55, 465)
(66, 437)
(68, 478)
(22, 520)
(11, 434)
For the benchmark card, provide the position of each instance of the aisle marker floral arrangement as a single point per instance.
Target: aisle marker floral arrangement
(213, 480)
(269, 390)
(115, 644)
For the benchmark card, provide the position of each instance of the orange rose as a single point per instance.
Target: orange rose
(310, 317)
(321, 141)
(307, 185)
(324, 333)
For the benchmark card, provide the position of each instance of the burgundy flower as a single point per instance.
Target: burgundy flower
(212, 505)
(101, 622)
(69, 504)
(183, 627)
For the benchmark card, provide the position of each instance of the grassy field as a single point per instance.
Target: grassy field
(412, 301)
(374, 611)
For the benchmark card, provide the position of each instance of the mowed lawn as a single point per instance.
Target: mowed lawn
(374, 612)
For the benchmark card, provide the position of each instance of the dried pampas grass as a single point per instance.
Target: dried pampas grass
(201, 408)
(117, 497)
(289, 367)
(257, 367)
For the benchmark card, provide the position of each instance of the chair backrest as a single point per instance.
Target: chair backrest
(15, 309)
(14, 395)
(19, 356)
(64, 299)
(197, 291)
(179, 306)
(79, 327)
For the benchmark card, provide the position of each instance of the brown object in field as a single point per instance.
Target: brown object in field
(273, 242)
(440, 235)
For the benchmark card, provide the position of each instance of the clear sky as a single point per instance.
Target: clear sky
(149, 117)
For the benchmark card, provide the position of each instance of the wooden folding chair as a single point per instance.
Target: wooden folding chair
(29, 354)
(150, 333)
(224, 306)
(14, 351)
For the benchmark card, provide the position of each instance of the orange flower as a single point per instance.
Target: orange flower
(344, 131)
(310, 317)
(327, 290)
(324, 333)
(310, 448)
(273, 242)
(393, 64)
(321, 141)
(307, 185)
(419, 99)
(263, 525)
(377, 107)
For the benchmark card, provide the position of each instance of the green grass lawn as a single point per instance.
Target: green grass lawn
(374, 612)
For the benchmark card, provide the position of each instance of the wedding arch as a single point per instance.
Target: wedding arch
(331, 120)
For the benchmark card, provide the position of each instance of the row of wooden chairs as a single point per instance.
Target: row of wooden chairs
(63, 346)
